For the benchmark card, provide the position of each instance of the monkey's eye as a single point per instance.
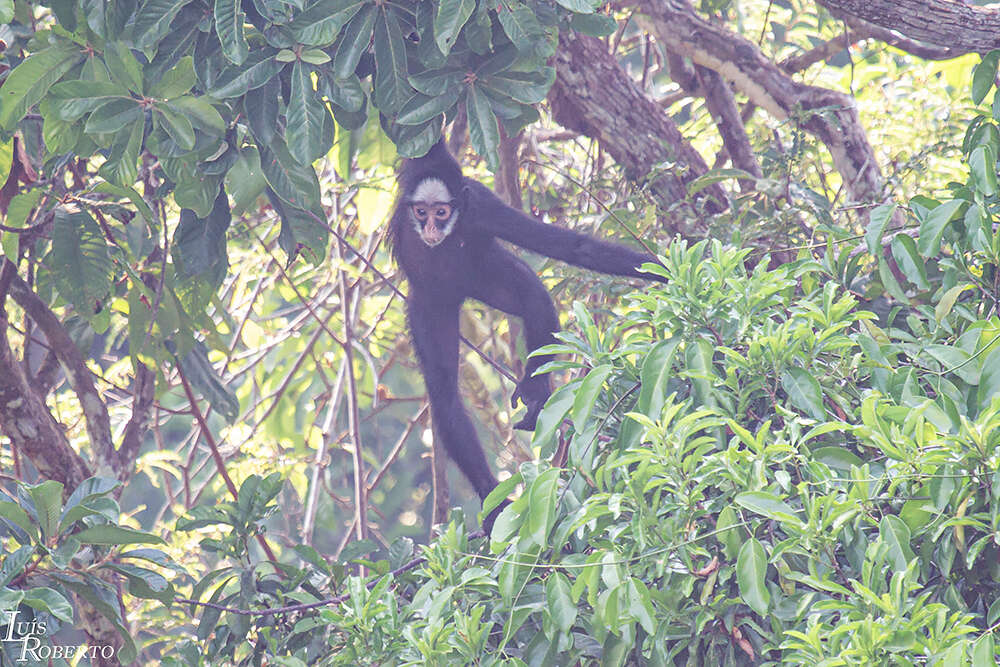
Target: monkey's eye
(442, 212)
(420, 213)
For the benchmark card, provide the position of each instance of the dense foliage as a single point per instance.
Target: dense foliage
(759, 463)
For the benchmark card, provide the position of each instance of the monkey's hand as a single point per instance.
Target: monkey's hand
(533, 392)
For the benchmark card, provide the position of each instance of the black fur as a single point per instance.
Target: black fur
(471, 263)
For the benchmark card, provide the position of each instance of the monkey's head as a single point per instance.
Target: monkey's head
(433, 194)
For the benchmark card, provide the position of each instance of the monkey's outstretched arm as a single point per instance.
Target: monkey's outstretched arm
(493, 216)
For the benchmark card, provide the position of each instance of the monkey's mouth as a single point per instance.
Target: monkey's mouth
(432, 236)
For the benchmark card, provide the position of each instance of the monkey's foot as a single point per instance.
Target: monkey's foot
(533, 392)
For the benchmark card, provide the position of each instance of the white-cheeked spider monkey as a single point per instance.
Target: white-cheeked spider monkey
(444, 233)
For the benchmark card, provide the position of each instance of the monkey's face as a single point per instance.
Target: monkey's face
(432, 211)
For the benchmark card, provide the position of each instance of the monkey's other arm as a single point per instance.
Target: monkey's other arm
(495, 217)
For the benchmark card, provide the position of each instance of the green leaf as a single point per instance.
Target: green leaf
(904, 250)
(878, 219)
(421, 108)
(984, 651)
(301, 230)
(177, 126)
(344, 93)
(75, 98)
(261, 106)
(984, 75)
(767, 504)
(291, 180)
(113, 535)
(947, 302)
(47, 497)
(229, 19)
(595, 25)
(199, 112)
(259, 68)
(932, 227)
(983, 166)
(989, 380)
(438, 81)
(304, 131)
(896, 535)
(483, 130)
(803, 391)
(751, 572)
(392, 89)
(578, 6)
(353, 43)
(199, 254)
(98, 594)
(321, 23)
(560, 602)
(176, 81)
(448, 21)
(16, 514)
(152, 21)
(51, 601)
(315, 57)
(587, 395)
(113, 116)
(525, 88)
(80, 260)
(123, 66)
(13, 563)
(520, 23)
(29, 81)
(144, 583)
(200, 372)
(6, 11)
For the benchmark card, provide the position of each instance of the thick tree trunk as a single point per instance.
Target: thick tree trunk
(594, 96)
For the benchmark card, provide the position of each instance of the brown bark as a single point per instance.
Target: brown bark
(827, 114)
(593, 95)
(948, 23)
(722, 105)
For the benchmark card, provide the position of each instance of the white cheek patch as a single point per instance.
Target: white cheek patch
(432, 191)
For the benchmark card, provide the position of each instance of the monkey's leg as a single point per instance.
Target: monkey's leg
(508, 284)
(434, 327)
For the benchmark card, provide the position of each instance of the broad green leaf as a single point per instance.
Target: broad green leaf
(79, 260)
(261, 105)
(878, 219)
(947, 302)
(448, 21)
(483, 130)
(98, 594)
(259, 67)
(301, 230)
(391, 87)
(353, 43)
(595, 25)
(7, 11)
(321, 23)
(560, 603)
(112, 116)
(989, 380)
(177, 126)
(229, 18)
(803, 391)
(14, 562)
(19, 517)
(245, 181)
(932, 226)
(525, 88)
(896, 535)
(421, 108)
(51, 601)
(75, 98)
(111, 534)
(176, 81)
(47, 497)
(520, 24)
(542, 496)
(124, 68)
(767, 504)
(983, 166)
(955, 360)
(437, 82)
(751, 573)
(199, 254)
(144, 583)
(587, 395)
(904, 250)
(578, 6)
(294, 182)
(29, 81)
(200, 372)
(304, 131)
(984, 651)
(345, 93)
(984, 75)
(198, 112)
(152, 21)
